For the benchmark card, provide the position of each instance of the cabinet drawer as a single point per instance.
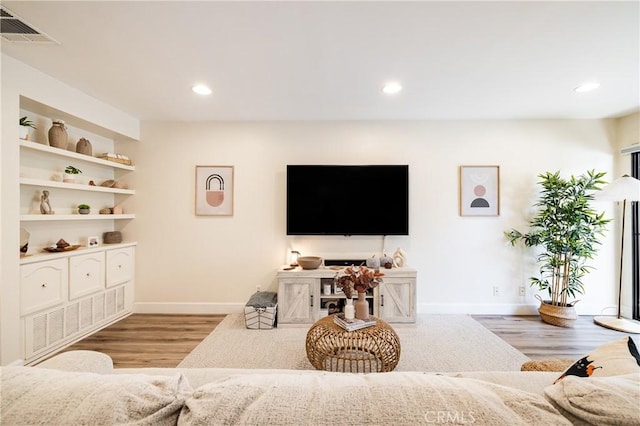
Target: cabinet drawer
(86, 274)
(43, 285)
(119, 266)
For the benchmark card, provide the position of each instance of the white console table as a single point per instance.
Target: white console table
(302, 298)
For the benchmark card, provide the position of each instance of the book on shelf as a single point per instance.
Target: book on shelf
(352, 324)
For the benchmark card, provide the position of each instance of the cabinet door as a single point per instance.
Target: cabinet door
(119, 266)
(295, 300)
(397, 300)
(86, 274)
(42, 285)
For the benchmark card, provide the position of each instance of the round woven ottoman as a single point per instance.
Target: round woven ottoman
(368, 350)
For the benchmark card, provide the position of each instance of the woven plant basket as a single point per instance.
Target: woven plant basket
(561, 316)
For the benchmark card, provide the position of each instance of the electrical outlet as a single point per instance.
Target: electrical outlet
(496, 290)
(522, 290)
(258, 288)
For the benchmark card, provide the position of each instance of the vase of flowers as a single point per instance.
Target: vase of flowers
(358, 279)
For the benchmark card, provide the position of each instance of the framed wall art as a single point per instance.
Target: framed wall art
(214, 190)
(479, 190)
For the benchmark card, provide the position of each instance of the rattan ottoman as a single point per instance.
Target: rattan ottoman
(368, 350)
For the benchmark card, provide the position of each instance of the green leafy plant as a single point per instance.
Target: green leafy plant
(567, 229)
(84, 206)
(72, 170)
(27, 123)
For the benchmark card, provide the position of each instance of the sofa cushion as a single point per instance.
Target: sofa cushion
(598, 400)
(398, 398)
(42, 396)
(611, 359)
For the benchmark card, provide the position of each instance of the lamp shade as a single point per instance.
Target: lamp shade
(625, 188)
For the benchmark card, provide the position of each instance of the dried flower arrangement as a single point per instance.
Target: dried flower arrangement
(357, 279)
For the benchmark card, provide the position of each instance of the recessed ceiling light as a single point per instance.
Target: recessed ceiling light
(201, 89)
(391, 88)
(587, 87)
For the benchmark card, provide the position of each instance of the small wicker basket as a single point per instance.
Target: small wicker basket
(112, 237)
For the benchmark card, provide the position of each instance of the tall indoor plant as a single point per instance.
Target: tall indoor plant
(567, 229)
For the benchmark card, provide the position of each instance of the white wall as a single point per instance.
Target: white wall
(189, 263)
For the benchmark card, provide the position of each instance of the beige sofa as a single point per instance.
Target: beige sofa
(82, 387)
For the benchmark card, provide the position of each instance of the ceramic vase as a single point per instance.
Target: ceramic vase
(84, 147)
(58, 136)
(361, 307)
(349, 310)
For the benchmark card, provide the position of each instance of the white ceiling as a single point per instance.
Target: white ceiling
(328, 60)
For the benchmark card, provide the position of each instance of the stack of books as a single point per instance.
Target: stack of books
(352, 324)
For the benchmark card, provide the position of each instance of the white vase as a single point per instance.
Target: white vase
(349, 310)
(24, 133)
(68, 178)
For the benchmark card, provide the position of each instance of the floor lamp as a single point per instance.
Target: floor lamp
(624, 189)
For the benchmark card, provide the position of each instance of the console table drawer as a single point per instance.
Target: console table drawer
(86, 274)
(43, 285)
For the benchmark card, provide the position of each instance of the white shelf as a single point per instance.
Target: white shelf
(70, 154)
(61, 217)
(74, 186)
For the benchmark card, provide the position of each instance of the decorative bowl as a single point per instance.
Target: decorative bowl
(309, 262)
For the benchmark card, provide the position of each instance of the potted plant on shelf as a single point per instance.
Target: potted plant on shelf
(24, 127)
(567, 229)
(69, 174)
(358, 279)
(84, 208)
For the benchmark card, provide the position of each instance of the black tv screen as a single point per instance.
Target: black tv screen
(347, 200)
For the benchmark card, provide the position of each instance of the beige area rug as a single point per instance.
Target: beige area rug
(438, 343)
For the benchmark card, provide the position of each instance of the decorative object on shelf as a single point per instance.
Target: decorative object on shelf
(116, 210)
(116, 158)
(214, 191)
(84, 208)
(399, 258)
(567, 229)
(106, 210)
(69, 174)
(112, 237)
(326, 289)
(110, 183)
(624, 189)
(92, 183)
(386, 261)
(479, 190)
(45, 205)
(62, 244)
(24, 240)
(293, 258)
(84, 147)
(55, 249)
(373, 262)
(349, 309)
(24, 127)
(309, 262)
(358, 279)
(58, 136)
(93, 242)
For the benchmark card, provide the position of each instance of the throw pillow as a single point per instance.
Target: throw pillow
(598, 400)
(42, 396)
(611, 359)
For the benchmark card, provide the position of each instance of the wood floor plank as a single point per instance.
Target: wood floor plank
(154, 340)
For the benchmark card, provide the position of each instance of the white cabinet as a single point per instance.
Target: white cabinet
(397, 299)
(296, 300)
(66, 296)
(119, 266)
(304, 296)
(42, 285)
(86, 274)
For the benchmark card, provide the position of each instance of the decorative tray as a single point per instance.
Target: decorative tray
(59, 249)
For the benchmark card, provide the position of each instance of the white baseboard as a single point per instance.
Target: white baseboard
(187, 308)
(498, 309)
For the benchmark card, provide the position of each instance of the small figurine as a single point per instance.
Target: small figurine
(45, 207)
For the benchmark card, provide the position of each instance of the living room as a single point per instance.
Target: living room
(301, 83)
(186, 263)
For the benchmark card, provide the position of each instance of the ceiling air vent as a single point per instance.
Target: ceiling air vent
(13, 28)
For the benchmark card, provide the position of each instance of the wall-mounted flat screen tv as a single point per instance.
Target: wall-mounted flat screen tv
(347, 200)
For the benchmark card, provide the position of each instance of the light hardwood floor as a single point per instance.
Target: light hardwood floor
(143, 340)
